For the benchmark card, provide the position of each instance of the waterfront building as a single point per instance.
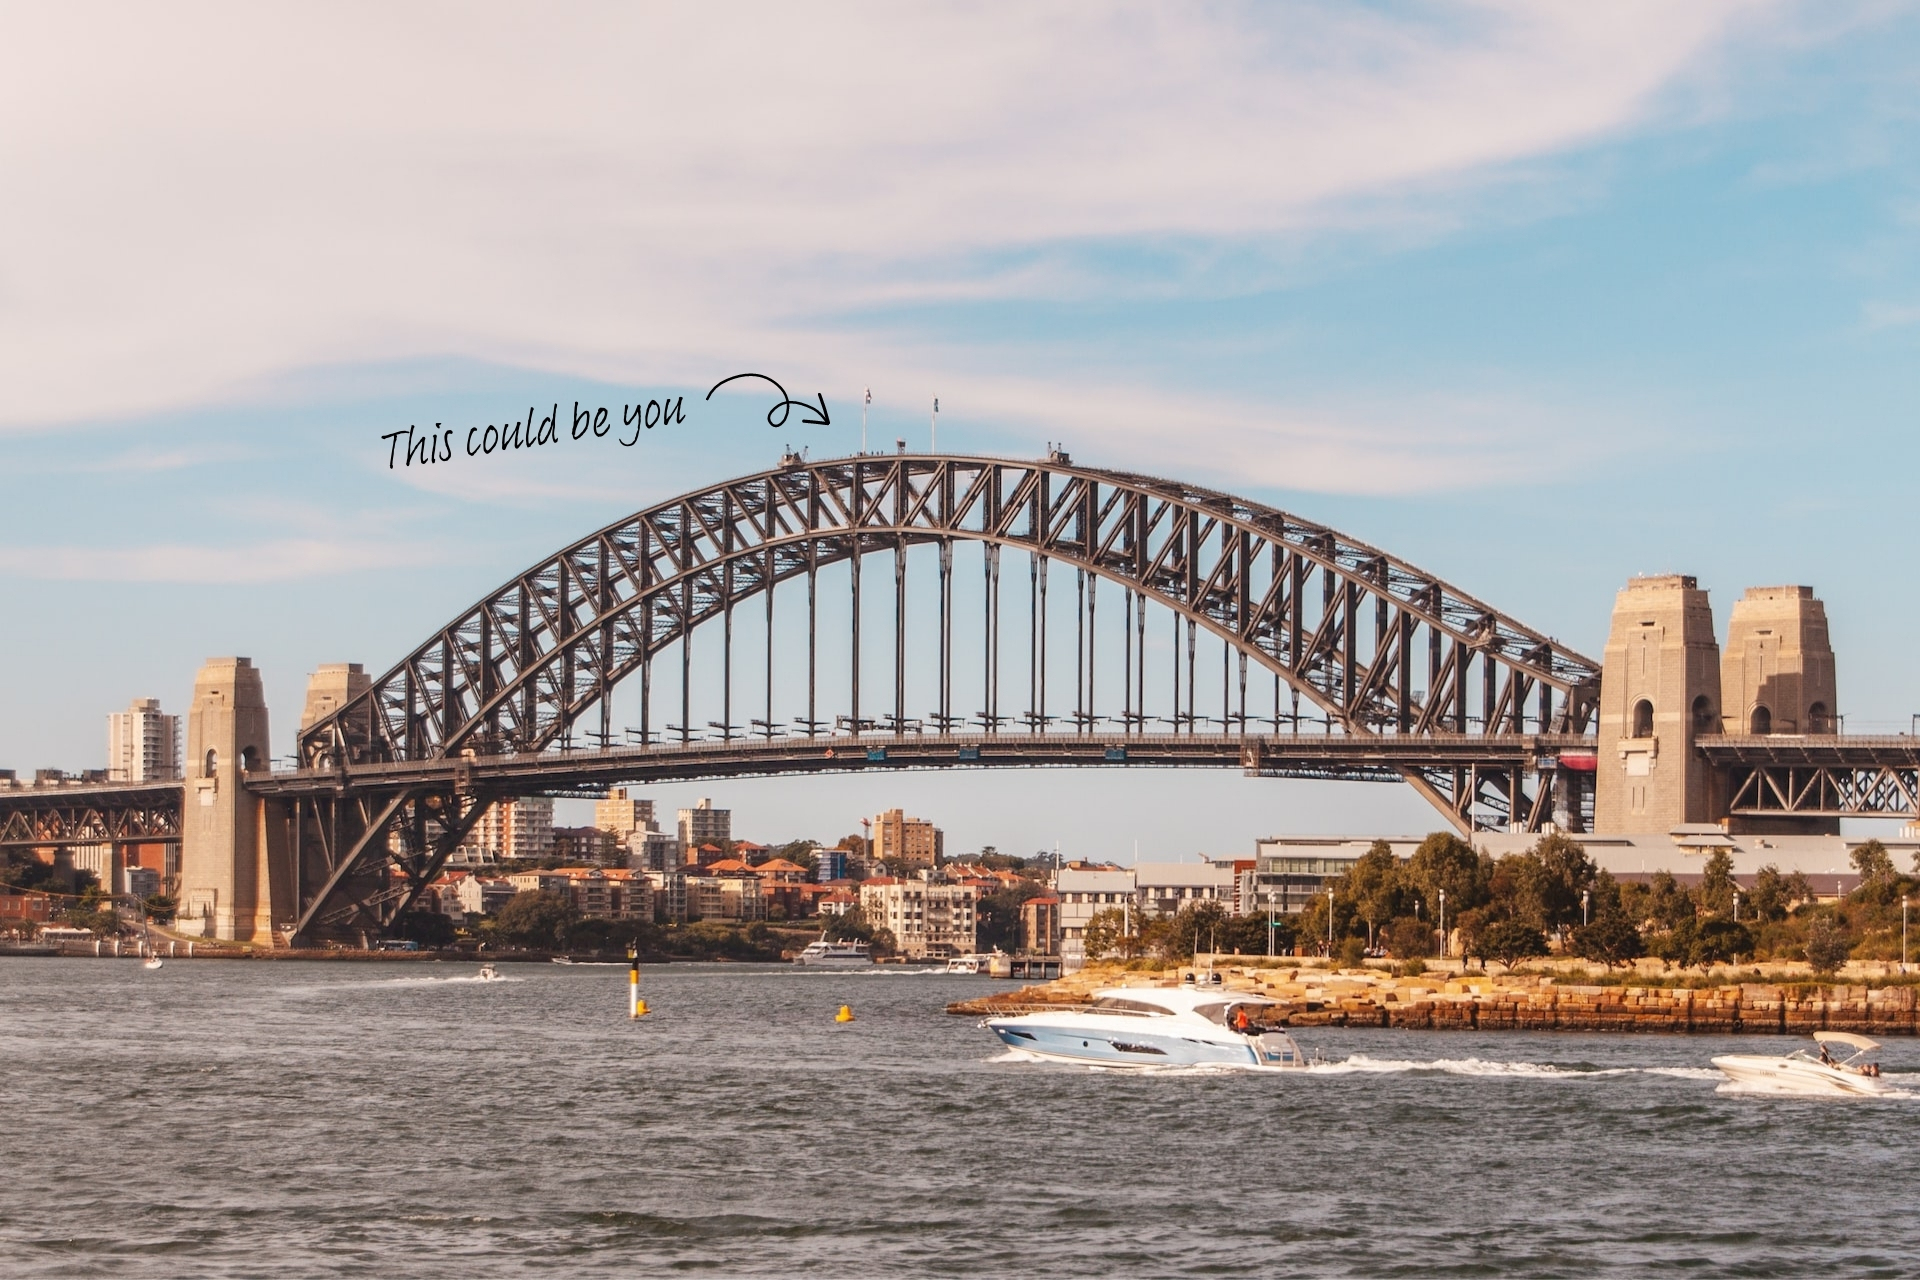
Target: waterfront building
(1085, 888)
(905, 844)
(929, 919)
(588, 844)
(143, 743)
(830, 865)
(138, 881)
(1040, 925)
(725, 896)
(703, 824)
(518, 829)
(669, 885)
(484, 895)
(653, 850)
(22, 910)
(1162, 888)
(784, 885)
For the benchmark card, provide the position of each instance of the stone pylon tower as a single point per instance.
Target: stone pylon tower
(331, 687)
(232, 843)
(1776, 675)
(1659, 689)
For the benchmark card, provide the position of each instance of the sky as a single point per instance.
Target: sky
(1535, 296)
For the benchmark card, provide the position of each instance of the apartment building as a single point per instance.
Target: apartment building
(929, 919)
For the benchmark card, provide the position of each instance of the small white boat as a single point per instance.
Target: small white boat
(966, 964)
(488, 973)
(842, 955)
(1153, 1027)
(1803, 1073)
(153, 962)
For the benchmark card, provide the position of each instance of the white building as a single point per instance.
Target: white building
(653, 850)
(518, 828)
(479, 896)
(1162, 888)
(1084, 889)
(704, 824)
(928, 920)
(143, 745)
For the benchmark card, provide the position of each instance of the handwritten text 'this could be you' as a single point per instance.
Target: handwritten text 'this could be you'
(414, 446)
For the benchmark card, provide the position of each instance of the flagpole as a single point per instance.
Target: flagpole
(863, 419)
(934, 426)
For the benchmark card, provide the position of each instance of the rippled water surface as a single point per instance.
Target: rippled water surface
(294, 1119)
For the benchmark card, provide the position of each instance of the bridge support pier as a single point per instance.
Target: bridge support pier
(234, 882)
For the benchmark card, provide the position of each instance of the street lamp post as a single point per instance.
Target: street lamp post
(1736, 906)
(1903, 933)
(1269, 924)
(1329, 919)
(1443, 924)
(1584, 896)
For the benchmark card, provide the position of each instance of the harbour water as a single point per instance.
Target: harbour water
(217, 1119)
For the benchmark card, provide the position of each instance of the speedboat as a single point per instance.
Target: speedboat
(1804, 1073)
(488, 974)
(966, 964)
(837, 954)
(1152, 1027)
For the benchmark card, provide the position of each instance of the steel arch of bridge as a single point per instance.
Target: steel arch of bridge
(1380, 648)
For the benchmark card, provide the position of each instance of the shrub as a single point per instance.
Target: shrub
(1413, 968)
(1352, 953)
(1827, 947)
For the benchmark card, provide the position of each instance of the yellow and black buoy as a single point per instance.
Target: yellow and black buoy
(845, 1014)
(636, 1007)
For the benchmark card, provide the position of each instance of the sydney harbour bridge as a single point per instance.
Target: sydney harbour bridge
(910, 612)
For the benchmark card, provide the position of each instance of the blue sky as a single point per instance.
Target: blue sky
(1537, 297)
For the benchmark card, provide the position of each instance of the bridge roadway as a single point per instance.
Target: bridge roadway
(589, 772)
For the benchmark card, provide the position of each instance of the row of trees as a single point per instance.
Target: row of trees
(1549, 898)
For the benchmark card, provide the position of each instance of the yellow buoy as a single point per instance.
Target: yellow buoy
(640, 1008)
(845, 1014)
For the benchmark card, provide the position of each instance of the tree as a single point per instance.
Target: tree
(536, 918)
(1410, 938)
(1770, 896)
(1827, 946)
(1376, 887)
(997, 921)
(850, 927)
(1877, 873)
(1563, 872)
(1612, 939)
(1719, 941)
(160, 908)
(1106, 935)
(1669, 905)
(1446, 863)
(1511, 941)
(1715, 894)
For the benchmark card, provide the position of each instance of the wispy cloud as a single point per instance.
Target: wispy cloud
(274, 561)
(1890, 315)
(642, 193)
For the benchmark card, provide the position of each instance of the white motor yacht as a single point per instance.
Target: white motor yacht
(1804, 1073)
(487, 974)
(842, 955)
(1153, 1027)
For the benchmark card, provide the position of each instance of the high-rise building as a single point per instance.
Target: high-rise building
(518, 828)
(622, 814)
(143, 745)
(905, 844)
(704, 824)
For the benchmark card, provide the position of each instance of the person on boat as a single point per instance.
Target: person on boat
(1241, 1022)
(1826, 1058)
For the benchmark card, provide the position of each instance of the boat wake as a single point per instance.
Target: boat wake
(389, 984)
(1362, 1064)
(1804, 1089)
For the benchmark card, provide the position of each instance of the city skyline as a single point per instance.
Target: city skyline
(1539, 302)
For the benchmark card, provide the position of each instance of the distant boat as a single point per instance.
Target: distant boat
(488, 974)
(1802, 1073)
(153, 962)
(842, 955)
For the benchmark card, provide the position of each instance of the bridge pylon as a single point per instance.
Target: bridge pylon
(234, 881)
(1659, 690)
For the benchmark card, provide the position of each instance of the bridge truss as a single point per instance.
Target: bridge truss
(1317, 636)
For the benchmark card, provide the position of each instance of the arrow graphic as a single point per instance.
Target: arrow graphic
(777, 416)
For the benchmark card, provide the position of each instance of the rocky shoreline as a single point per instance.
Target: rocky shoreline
(1511, 1002)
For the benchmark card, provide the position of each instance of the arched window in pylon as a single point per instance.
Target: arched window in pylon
(1643, 719)
(1818, 719)
(1704, 720)
(1761, 721)
(213, 759)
